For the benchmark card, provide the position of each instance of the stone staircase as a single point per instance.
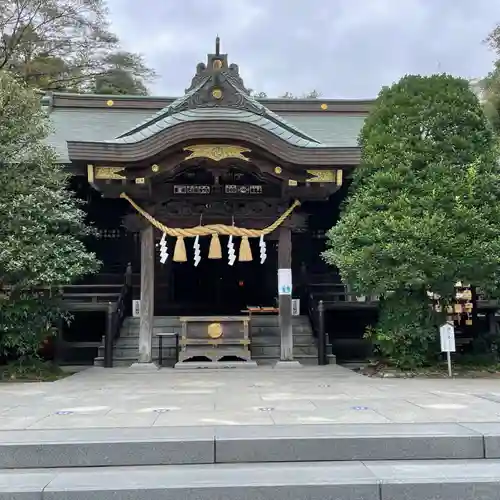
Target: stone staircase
(265, 333)
(351, 462)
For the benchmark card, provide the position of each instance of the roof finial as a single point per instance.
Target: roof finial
(217, 46)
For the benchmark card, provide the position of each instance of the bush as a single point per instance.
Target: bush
(27, 321)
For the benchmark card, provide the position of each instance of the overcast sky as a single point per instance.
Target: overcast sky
(342, 48)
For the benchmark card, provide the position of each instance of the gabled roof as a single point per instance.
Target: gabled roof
(216, 102)
(180, 110)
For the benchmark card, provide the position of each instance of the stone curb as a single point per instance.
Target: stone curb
(116, 447)
(466, 480)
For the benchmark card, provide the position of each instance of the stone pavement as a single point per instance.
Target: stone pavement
(123, 397)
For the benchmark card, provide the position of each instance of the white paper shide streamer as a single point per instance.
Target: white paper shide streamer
(163, 249)
(262, 246)
(197, 253)
(231, 254)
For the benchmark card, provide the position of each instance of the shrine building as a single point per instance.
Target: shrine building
(211, 211)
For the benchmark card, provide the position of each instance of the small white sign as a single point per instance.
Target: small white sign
(284, 281)
(295, 307)
(136, 308)
(447, 334)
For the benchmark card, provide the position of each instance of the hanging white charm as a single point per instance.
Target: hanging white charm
(263, 253)
(197, 253)
(163, 249)
(231, 254)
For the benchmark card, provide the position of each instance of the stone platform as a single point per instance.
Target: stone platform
(317, 432)
(124, 397)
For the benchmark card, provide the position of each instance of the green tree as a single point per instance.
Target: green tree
(490, 85)
(313, 94)
(423, 211)
(65, 45)
(41, 224)
(121, 77)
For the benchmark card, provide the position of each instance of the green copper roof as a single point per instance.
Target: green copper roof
(87, 124)
(284, 129)
(226, 114)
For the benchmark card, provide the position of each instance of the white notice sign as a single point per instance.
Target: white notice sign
(136, 308)
(447, 334)
(295, 307)
(284, 281)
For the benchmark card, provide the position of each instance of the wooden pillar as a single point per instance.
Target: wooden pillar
(492, 322)
(147, 295)
(285, 296)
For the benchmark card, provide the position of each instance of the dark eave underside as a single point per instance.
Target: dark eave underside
(361, 106)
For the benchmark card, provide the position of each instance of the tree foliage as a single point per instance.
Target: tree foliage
(41, 224)
(66, 45)
(490, 85)
(313, 94)
(423, 211)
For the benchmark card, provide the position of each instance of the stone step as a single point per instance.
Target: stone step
(416, 480)
(169, 360)
(125, 362)
(116, 447)
(260, 338)
(269, 350)
(134, 328)
(166, 321)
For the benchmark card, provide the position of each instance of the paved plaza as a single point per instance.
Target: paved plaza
(123, 397)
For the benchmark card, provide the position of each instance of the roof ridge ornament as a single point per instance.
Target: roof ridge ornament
(217, 69)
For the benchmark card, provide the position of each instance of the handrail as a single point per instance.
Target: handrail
(116, 314)
(316, 312)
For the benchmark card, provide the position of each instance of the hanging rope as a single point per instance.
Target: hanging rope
(213, 230)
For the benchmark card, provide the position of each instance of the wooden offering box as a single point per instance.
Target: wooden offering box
(214, 338)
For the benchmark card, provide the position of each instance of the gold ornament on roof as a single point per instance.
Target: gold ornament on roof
(324, 106)
(216, 152)
(155, 168)
(108, 173)
(217, 93)
(110, 102)
(324, 176)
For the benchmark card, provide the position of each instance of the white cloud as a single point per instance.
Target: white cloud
(344, 48)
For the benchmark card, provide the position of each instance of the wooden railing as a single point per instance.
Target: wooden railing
(338, 292)
(316, 312)
(116, 313)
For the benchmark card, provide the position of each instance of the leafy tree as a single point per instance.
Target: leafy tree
(257, 95)
(121, 77)
(423, 211)
(313, 94)
(490, 85)
(40, 222)
(65, 45)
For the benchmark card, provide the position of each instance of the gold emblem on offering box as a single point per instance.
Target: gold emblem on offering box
(216, 152)
(214, 330)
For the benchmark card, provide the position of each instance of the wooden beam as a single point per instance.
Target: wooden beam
(285, 299)
(147, 295)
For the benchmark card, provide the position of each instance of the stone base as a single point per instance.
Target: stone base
(215, 365)
(146, 367)
(287, 364)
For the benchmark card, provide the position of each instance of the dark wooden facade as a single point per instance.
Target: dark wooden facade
(213, 156)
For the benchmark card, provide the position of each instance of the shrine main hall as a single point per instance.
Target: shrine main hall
(211, 211)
